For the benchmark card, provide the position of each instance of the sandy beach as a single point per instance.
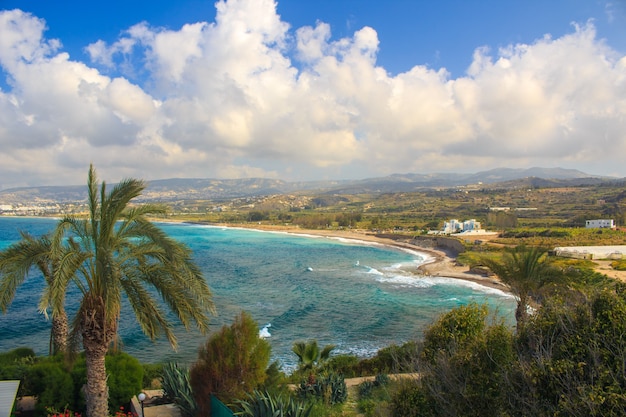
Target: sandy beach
(443, 262)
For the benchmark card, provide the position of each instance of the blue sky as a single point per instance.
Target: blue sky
(433, 33)
(303, 90)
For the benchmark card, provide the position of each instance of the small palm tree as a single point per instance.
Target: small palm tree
(57, 262)
(126, 254)
(525, 271)
(309, 354)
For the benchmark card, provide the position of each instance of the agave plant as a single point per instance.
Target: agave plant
(330, 388)
(264, 404)
(177, 387)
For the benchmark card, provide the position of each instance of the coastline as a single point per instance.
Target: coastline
(442, 264)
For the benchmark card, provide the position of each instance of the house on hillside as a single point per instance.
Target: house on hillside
(455, 226)
(600, 224)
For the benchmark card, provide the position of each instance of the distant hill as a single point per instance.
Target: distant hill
(223, 189)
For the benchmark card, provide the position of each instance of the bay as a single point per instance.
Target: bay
(356, 295)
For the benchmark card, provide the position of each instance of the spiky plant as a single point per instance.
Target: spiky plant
(264, 404)
(177, 387)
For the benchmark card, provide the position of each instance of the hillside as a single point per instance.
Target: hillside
(168, 190)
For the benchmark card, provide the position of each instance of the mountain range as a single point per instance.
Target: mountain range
(223, 189)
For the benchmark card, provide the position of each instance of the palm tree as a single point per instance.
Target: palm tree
(52, 257)
(127, 255)
(525, 271)
(309, 354)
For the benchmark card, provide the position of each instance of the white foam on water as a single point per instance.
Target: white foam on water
(264, 333)
(373, 271)
(470, 284)
(407, 281)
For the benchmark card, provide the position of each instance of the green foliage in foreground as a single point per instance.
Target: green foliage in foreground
(58, 384)
(567, 360)
(329, 388)
(265, 404)
(177, 387)
(230, 364)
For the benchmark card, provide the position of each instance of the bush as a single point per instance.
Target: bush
(230, 364)
(412, 401)
(572, 354)
(125, 378)
(152, 375)
(454, 330)
(391, 359)
(52, 385)
(619, 265)
(16, 355)
(346, 365)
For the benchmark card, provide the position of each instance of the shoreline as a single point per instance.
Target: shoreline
(442, 264)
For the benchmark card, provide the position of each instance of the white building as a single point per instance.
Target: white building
(469, 225)
(455, 226)
(600, 224)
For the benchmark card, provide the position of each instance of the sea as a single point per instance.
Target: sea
(359, 296)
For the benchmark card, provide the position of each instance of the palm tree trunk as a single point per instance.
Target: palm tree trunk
(59, 333)
(97, 392)
(97, 333)
(521, 312)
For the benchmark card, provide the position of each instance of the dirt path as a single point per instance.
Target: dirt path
(604, 267)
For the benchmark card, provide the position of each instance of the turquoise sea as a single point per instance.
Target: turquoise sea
(358, 296)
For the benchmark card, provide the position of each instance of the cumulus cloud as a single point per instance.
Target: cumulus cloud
(247, 95)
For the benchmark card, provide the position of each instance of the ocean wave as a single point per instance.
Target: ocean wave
(264, 333)
(373, 271)
(471, 284)
(407, 281)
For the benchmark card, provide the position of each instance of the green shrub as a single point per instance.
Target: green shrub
(365, 389)
(454, 330)
(230, 364)
(125, 378)
(152, 375)
(16, 355)
(52, 385)
(275, 379)
(346, 365)
(412, 401)
(619, 265)
(391, 359)
(367, 406)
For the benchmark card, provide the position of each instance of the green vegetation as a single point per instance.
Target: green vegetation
(526, 271)
(310, 356)
(265, 404)
(115, 250)
(58, 384)
(48, 255)
(176, 384)
(231, 363)
(522, 207)
(566, 356)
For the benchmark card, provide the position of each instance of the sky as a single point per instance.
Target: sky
(308, 90)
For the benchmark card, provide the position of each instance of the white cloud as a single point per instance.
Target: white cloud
(247, 96)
